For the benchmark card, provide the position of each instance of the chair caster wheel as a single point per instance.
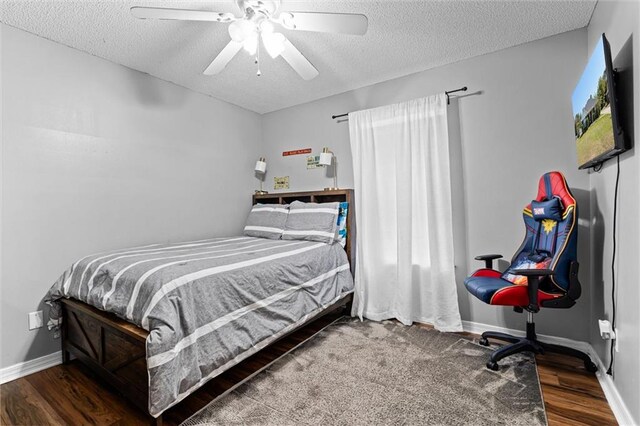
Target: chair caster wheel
(590, 367)
(483, 341)
(492, 366)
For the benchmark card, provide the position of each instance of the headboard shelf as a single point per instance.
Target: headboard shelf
(306, 196)
(329, 196)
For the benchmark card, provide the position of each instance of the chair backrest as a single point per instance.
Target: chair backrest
(551, 235)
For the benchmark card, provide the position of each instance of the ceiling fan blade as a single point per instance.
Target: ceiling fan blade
(342, 23)
(223, 58)
(180, 14)
(298, 62)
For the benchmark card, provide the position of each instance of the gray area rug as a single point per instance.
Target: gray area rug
(383, 373)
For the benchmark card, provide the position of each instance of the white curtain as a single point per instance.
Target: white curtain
(404, 266)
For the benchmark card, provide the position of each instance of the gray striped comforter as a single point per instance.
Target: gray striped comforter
(207, 304)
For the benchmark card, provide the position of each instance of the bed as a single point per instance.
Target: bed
(159, 321)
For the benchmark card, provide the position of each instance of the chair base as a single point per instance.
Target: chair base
(529, 344)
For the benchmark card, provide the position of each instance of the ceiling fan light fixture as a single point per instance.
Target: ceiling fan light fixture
(242, 30)
(250, 44)
(273, 43)
(266, 27)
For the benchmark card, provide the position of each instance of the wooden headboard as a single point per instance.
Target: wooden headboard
(339, 195)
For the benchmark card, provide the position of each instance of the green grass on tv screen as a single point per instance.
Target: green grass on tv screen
(597, 140)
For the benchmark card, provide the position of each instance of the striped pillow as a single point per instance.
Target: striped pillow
(266, 221)
(312, 222)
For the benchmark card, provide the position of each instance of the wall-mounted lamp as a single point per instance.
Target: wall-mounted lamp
(261, 170)
(327, 158)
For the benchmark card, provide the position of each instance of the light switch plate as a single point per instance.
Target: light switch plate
(35, 320)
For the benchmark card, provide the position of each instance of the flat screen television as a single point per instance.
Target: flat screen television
(596, 110)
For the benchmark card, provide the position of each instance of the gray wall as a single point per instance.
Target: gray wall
(620, 21)
(504, 138)
(96, 156)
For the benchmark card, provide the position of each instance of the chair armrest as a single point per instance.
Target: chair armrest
(534, 276)
(488, 259)
(534, 272)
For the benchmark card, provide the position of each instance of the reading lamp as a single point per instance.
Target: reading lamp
(261, 169)
(326, 159)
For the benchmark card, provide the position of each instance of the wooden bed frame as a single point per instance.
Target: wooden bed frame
(115, 349)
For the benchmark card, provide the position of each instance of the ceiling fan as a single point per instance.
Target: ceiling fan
(258, 22)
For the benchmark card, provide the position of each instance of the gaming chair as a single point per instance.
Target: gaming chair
(543, 271)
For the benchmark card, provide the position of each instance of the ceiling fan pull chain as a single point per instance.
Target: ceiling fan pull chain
(259, 73)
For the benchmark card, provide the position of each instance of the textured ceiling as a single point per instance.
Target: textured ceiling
(403, 37)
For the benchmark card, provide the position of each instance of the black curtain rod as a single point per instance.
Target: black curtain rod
(462, 89)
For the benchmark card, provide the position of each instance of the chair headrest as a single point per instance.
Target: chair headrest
(553, 185)
(549, 209)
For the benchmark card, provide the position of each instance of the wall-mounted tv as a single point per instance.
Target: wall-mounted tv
(596, 113)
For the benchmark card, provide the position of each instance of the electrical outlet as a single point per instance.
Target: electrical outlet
(606, 330)
(35, 320)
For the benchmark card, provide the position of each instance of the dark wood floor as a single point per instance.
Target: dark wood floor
(572, 395)
(69, 394)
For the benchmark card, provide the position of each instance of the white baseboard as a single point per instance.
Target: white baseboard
(620, 410)
(22, 369)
